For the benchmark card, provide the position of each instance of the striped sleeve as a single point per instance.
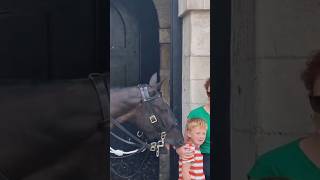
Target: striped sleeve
(190, 148)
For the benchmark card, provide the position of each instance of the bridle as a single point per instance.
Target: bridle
(150, 115)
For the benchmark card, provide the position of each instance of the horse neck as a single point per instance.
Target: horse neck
(123, 100)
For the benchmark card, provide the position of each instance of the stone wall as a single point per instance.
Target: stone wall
(271, 40)
(195, 16)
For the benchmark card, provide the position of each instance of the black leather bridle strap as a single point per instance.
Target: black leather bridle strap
(102, 92)
(99, 85)
(147, 100)
(123, 140)
(158, 124)
(144, 144)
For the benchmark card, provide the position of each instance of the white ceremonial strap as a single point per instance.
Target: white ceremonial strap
(119, 152)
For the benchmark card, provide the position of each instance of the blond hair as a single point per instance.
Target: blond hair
(196, 122)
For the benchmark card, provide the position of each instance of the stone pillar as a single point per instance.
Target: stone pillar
(163, 10)
(195, 16)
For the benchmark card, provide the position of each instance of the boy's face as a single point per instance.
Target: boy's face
(197, 135)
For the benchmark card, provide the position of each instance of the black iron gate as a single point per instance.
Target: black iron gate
(134, 57)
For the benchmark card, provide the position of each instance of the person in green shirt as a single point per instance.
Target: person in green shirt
(300, 159)
(202, 112)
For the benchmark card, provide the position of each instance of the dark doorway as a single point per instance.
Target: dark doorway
(134, 57)
(134, 42)
(51, 39)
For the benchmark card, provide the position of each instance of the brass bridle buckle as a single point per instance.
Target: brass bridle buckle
(153, 119)
(153, 146)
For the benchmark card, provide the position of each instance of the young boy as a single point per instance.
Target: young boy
(192, 168)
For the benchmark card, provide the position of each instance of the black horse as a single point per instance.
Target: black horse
(55, 130)
(141, 104)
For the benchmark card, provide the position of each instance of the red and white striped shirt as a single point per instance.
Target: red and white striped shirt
(196, 168)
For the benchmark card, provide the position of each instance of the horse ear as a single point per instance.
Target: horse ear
(153, 80)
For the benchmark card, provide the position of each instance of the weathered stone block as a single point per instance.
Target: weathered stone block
(186, 6)
(164, 36)
(195, 4)
(165, 88)
(186, 35)
(197, 91)
(199, 67)
(200, 33)
(182, 6)
(164, 11)
(185, 111)
(165, 56)
(206, 4)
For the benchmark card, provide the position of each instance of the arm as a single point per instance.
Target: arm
(187, 162)
(185, 171)
(181, 151)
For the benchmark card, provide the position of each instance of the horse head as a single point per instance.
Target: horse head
(146, 108)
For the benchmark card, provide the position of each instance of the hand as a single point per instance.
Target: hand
(184, 153)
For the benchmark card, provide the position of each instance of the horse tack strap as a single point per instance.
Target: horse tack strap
(99, 85)
(143, 144)
(151, 116)
(154, 146)
(145, 93)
